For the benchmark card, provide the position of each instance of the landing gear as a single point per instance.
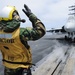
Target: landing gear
(74, 40)
(68, 39)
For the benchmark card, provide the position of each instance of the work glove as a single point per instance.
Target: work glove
(30, 15)
(26, 10)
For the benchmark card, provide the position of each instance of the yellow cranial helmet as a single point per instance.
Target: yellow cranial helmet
(7, 13)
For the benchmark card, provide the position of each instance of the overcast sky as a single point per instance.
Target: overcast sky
(53, 13)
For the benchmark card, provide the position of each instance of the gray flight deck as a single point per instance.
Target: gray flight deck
(51, 57)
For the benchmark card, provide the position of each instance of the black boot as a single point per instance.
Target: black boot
(27, 72)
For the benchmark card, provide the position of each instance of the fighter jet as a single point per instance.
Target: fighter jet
(68, 28)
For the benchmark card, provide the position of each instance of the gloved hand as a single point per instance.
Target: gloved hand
(26, 10)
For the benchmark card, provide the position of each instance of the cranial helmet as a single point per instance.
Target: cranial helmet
(9, 13)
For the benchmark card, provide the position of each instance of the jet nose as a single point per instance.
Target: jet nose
(70, 26)
(66, 28)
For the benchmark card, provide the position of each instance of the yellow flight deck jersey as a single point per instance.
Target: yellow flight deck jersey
(13, 50)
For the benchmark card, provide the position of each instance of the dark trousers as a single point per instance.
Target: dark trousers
(18, 71)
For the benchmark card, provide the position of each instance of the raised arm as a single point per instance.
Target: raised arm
(38, 29)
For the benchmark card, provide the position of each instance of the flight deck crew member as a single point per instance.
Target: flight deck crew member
(16, 52)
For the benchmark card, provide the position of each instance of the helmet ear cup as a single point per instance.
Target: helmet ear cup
(15, 15)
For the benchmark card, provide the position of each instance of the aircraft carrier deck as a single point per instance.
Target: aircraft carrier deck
(51, 57)
(61, 61)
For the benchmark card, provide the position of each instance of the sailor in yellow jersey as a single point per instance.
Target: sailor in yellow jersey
(17, 57)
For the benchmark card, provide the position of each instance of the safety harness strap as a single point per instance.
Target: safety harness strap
(24, 63)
